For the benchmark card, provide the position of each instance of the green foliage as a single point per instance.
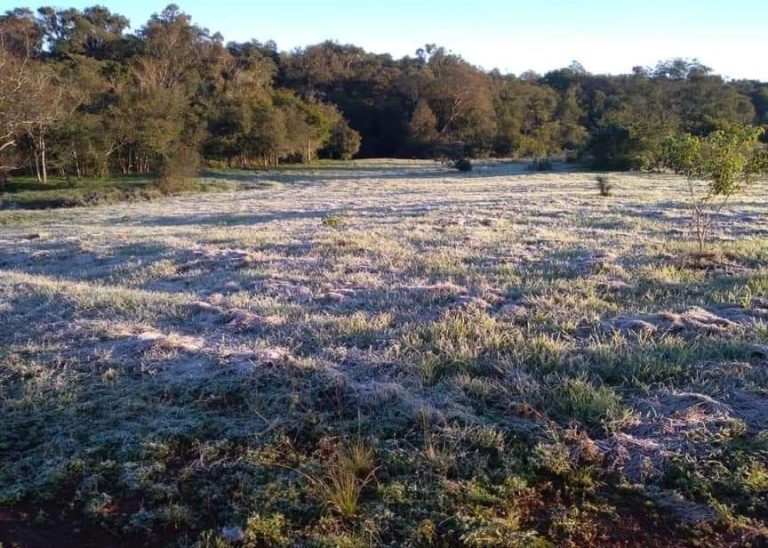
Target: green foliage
(343, 143)
(683, 155)
(63, 193)
(728, 161)
(100, 100)
(179, 165)
(266, 531)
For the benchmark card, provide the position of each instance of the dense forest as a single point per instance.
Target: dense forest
(81, 97)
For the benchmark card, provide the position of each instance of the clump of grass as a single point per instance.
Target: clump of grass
(644, 360)
(604, 185)
(359, 455)
(349, 470)
(333, 221)
(756, 478)
(461, 342)
(362, 330)
(341, 487)
(543, 353)
(439, 452)
(593, 406)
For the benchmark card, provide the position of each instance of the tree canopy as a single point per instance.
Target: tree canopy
(83, 96)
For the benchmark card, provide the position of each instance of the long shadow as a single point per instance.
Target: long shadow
(67, 259)
(360, 173)
(225, 219)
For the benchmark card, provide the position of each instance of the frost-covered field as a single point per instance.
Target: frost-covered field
(386, 353)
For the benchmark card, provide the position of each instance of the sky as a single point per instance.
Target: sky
(606, 36)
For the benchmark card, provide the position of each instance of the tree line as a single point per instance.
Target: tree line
(82, 96)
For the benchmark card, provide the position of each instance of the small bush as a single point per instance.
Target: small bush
(604, 185)
(463, 164)
(183, 163)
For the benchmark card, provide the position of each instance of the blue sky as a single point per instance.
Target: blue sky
(514, 36)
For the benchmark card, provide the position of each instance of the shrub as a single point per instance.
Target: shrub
(181, 164)
(343, 143)
(175, 185)
(463, 164)
(604, 185)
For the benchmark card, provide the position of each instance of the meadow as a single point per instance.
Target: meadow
(386, 353)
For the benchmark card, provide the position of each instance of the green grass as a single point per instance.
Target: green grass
(28, 193)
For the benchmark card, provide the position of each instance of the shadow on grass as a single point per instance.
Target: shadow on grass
(353, 173)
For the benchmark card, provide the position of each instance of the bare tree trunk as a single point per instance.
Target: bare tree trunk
(700, 230)
(77, 164)
(42, 158)
(37, 166)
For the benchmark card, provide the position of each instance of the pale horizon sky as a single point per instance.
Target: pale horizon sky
(606, 36)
